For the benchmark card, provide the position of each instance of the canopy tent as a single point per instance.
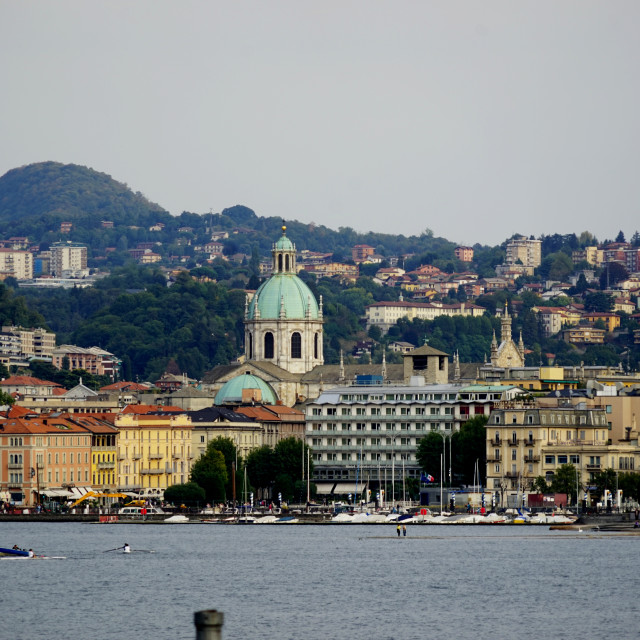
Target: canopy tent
(339, 488)
(56, 493)
(78, 492)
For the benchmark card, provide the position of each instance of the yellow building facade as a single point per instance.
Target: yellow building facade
(154, 451)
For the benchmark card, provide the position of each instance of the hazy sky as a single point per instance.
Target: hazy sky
(476, 119)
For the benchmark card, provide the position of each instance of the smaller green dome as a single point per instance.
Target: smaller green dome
(231, 391)
(284, 244)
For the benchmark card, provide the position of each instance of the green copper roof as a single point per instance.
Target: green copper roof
(231, 391)
(284, 243)
(287, 287)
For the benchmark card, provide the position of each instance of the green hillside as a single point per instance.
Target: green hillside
(35, 198)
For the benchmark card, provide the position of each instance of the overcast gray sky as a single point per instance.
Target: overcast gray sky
(474, 119)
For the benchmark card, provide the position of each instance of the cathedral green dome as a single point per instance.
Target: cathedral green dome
(231, 391)
(284, 244)
(286, 288)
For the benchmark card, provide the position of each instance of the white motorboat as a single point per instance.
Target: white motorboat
(177, 519)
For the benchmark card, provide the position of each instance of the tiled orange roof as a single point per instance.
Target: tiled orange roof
(16, 411)
(27, 381)
(125, 386)
(41, 425)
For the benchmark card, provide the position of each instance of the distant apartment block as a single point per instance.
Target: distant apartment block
(16, 264)
(464, 254)
(65, 227)
(68, 259)
(214, 250)
(583, 335)
(333, 269)
(94, 360)
(361, 252)
(523, 256)
(15, 242)
(592, 255)
(19, 345)
(385, 314)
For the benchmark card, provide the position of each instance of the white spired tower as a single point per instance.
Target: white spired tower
(283, 321)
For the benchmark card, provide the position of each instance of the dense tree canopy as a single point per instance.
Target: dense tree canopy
(209, 472)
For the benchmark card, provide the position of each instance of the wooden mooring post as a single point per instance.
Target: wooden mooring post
(208, 624)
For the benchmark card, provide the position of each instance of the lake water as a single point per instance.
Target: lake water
(319, 582)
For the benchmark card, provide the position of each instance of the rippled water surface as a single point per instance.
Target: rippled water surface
(319, 582)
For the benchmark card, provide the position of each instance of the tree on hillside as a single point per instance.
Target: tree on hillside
(260, 468)
(190, 494)
(288, 456)
(429, 455)
(209, 472)
(566, 479)
(612, 273)
(226, 446)
(470, 449)
(598, 301)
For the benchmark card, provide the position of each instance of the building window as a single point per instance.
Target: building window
(514, 454)
(315, 346)
(497, 468)
(549, 459)
(296, 345)
(250, 346)
(268, 345)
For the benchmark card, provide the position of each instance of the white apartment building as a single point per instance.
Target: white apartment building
(369, 433)
(17, 264)
(385, 314)
(522, 256)
(68, 259)
(18, 345)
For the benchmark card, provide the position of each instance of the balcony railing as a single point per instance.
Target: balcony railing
(156, 456)
(15, 465)
(152, 472)
(594, 467)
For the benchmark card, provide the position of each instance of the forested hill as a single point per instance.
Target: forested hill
(35, 198)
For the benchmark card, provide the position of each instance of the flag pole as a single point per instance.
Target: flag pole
(440, 484)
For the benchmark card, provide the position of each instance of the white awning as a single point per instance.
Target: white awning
(56, 493)
(78, 492)
(339, 488)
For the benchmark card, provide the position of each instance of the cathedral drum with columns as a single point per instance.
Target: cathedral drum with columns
(283, 321)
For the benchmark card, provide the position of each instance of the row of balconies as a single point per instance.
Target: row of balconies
(355, 448)
(527, 442)
(395, 417)
(354, 463)
(155, 456)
